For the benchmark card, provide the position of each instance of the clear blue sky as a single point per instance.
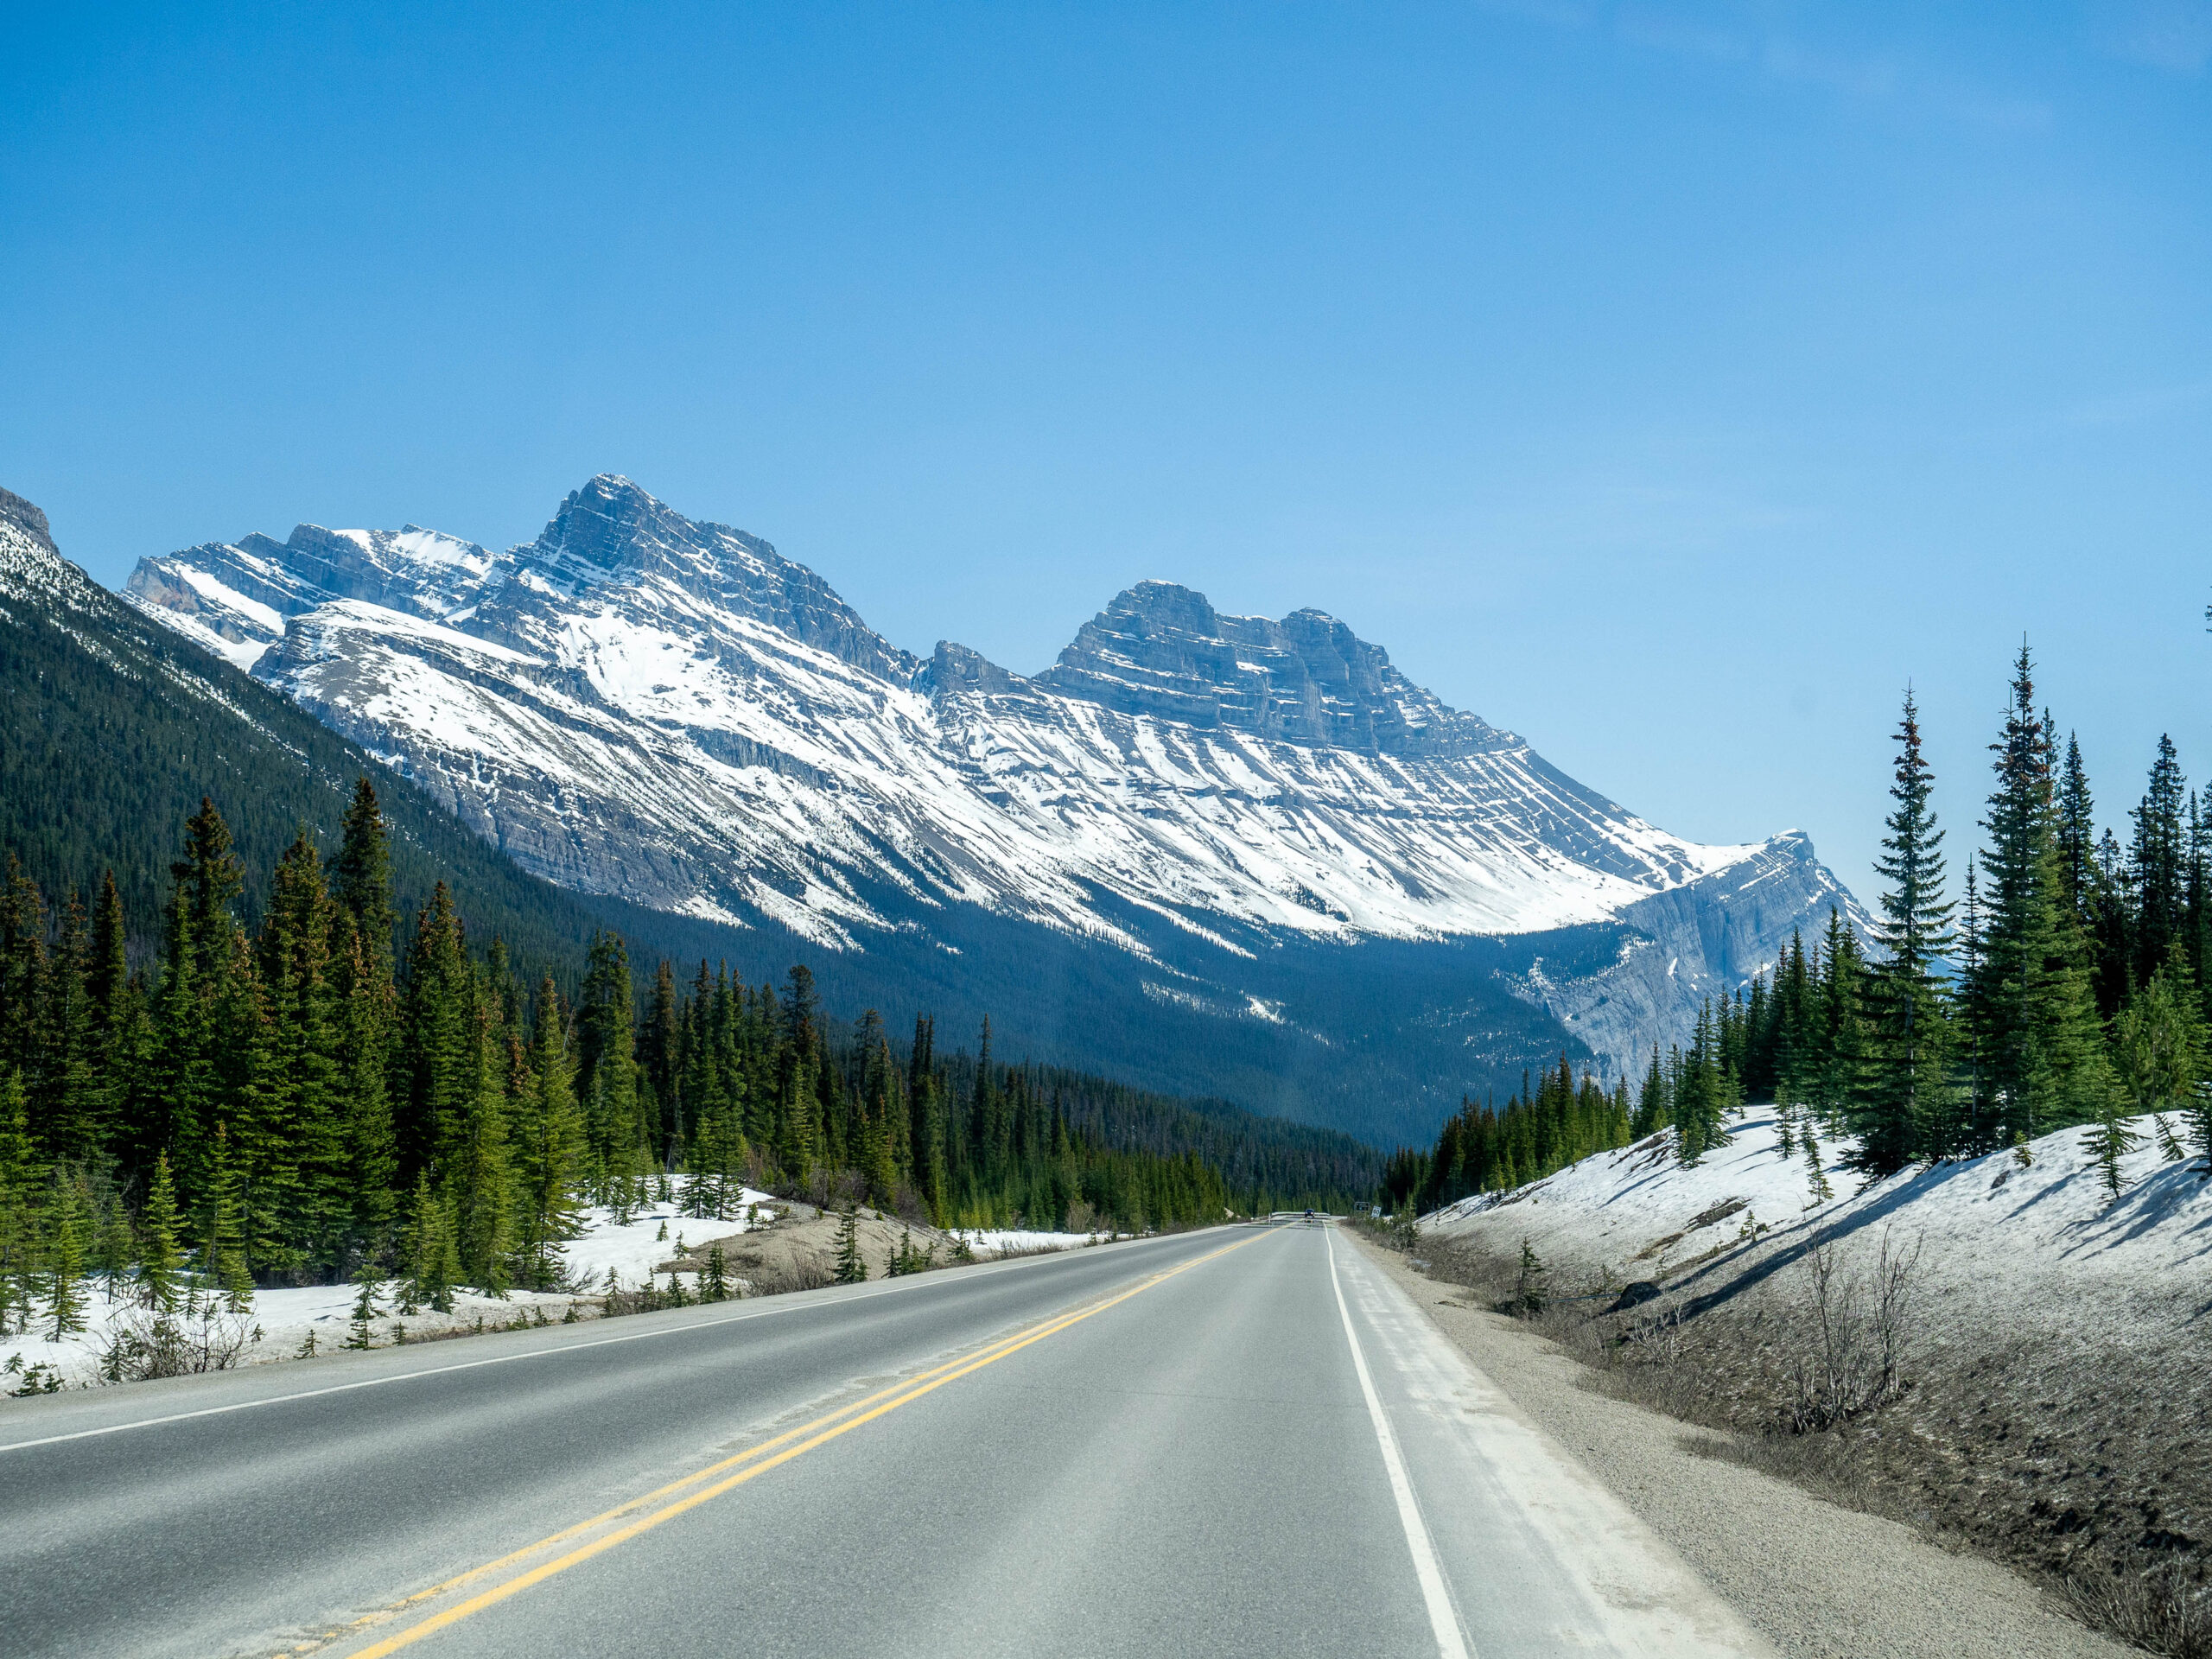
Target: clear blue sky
(1669, 383)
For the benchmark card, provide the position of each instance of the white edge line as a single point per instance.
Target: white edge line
(988, 1270)
(1450, 1643)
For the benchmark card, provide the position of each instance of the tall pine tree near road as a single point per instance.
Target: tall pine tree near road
(1903, 1080)
(2031, 998)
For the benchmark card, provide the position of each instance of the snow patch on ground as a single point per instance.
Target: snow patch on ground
(2040, 1246)
(286, 1318)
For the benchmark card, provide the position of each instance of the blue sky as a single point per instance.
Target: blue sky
(1669, 383)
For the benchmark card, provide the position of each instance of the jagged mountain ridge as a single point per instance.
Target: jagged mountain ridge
(675, 715)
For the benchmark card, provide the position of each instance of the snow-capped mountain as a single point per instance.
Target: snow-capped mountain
(675, 715)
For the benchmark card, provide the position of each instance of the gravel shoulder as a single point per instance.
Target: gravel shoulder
(1820, 1581)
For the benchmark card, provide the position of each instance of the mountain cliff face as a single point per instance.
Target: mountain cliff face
(1241, 810)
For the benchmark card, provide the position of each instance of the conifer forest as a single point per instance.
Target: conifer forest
(344, 1092)
(2064, 984)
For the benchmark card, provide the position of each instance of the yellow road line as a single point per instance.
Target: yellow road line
(817, 1432)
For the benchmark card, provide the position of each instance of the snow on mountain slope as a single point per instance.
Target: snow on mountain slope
(674, 713)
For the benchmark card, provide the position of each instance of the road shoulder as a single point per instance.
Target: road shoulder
(1820, 1582)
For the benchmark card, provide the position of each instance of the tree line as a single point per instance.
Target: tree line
(329, 1090)
(2065, 986)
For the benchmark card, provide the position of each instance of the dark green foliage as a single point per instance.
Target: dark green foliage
(1554, 1121)
(279, 1098)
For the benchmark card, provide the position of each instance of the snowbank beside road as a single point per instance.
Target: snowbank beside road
(2045, 1239)
(286, 1319)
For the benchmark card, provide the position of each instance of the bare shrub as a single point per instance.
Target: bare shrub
(1849, 1353)
(796, 1271)
(149, 1342)
(2163, 1611)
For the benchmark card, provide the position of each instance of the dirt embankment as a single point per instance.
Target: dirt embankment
(1820, 1580)
(2019, 1389)
(797, 1249)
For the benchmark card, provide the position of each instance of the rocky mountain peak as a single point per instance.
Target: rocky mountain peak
(15, 510)
(612, 534)
(1160, 648)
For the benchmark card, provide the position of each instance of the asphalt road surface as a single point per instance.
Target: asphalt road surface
(1245, 1440)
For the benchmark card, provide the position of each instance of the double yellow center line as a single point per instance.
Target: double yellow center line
(602, 1532)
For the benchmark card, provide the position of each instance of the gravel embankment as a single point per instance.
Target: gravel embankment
(1822, 1582)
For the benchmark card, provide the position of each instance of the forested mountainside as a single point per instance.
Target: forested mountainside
(125, 756)
(1244, 857)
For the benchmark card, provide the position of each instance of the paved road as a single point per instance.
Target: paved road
(1241, 1441)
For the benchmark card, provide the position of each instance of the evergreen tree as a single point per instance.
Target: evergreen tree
(1899, 1107)
(364, 1304)
(2158, 867)
(159, 1260)
(365, 1051)
(225, 1258)
(607, 1066)
(714, 1285)
(852, 1269)
(2160, 1053)
(433, 1262)
(2031, 998)
(65, 1262)
(548, 1144)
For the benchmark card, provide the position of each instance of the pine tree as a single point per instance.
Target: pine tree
(365, 1048)
(159, 1260)
(714, 1287)
(548, 1144)
(364, 1304)
(433, 1266)
(225, 1256)
(306, 1031)
(479, 1184)
(2158, 867)
(361, 878)
(852, 1268)
(2159, 1052)
(1898, 1104)
(438, 1061)
(1816, 1176)
(607, 1066)
(19, 1176)
(65, 1262)
(2031, 998)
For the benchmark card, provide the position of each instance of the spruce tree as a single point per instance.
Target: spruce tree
(159, 1259)
(2031, 997)
(361, 877)
(432, 1263)
(19, 1176)
(2159, 1052)
(548, 1144)
(64, 1261)
(479, 1184)
(364, 1304)
(1899, 1105)
(225, 1258)
(714, 1286)
(370, 1149)
(852, 1268)
(2158, 867)
(306, 1028)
